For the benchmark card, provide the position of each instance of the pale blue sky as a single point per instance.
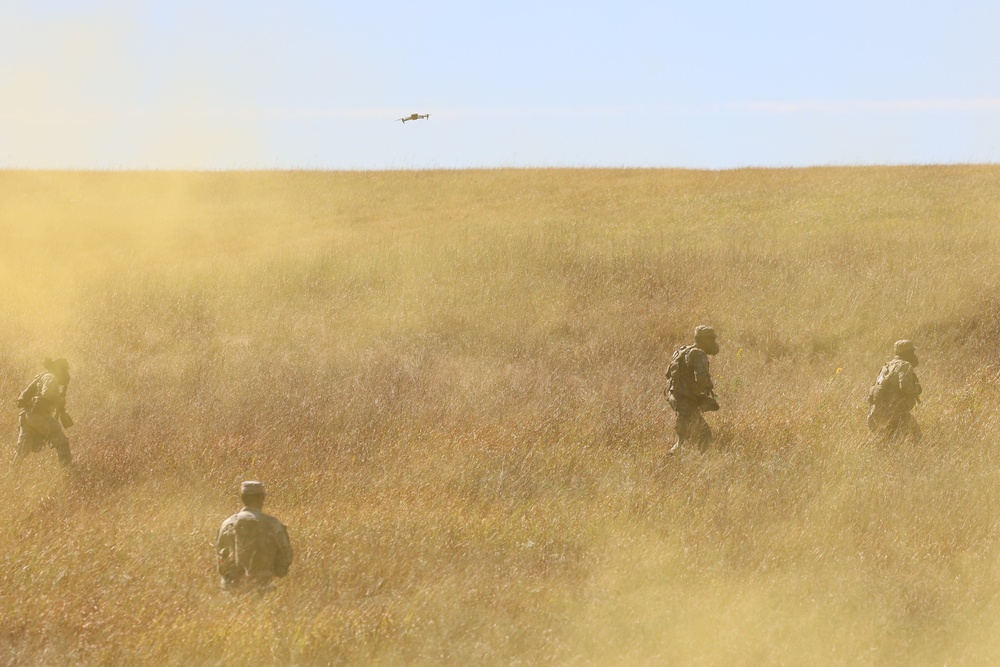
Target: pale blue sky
(252, 84)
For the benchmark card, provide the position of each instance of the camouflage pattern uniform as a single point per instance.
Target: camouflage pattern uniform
(39, 421)
(896, 391)
(690, 390)
(252, 547)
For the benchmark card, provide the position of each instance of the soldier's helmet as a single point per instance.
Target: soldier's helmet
(903, 347)
(703, 331)
(252, 488)
(56, 365)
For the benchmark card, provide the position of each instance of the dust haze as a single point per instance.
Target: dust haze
(451, 384)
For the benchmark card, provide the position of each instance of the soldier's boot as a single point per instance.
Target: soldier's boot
(230, 584)
(261, 585)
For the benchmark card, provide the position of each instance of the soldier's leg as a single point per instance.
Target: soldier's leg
(28, 440)
(687, 427)
(57, 439)
(674, 402)
(883, 422)
(22, 447)
(683, 426)
(46, 428)
(908, 428)
(61, 445)
(872, 420)
(701, 432)
(899, 427)
(681, 429)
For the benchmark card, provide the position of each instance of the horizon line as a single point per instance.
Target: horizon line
(912, 105)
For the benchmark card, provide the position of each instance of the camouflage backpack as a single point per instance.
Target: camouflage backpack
(882, 391)
(25, 398)
(254, 545)
(250, 539)
(678, 370)
(242, 545)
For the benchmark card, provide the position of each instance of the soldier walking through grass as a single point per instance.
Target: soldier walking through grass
(690, 390)
(895, 393)
(43, 413)
(252, 547)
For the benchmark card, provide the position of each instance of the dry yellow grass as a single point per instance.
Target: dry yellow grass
(451, 384)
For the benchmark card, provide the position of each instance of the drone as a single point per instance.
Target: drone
(414, 116)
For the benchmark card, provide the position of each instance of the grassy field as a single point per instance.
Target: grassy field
(451, 384)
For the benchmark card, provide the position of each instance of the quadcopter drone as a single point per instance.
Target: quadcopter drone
(414, 116)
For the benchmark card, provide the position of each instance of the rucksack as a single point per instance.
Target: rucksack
(246, 548)
(25, 398)
(882, 391)
(248, 537)
(678, 367)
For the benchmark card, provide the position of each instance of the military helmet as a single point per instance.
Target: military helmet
(56, 365)
(704, 331)
(252, 488)
(903, 346)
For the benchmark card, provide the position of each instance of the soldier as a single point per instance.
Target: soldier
(689, 389)
(43, 413)
(896, 391)
(252, 547)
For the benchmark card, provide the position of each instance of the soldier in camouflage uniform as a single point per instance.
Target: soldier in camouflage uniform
(252, 547)
(896, 391)
(689, 389)
(43, 413)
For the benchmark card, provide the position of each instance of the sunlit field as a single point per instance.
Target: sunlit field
(451, 384)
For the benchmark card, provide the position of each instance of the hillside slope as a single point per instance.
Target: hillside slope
(451, 383)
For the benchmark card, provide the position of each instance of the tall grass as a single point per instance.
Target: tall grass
(451, 384)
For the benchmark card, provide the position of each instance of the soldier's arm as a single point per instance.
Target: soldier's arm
(283, 558)
(219, 537)
(908, 383)
(225, 550)
(699, 366)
